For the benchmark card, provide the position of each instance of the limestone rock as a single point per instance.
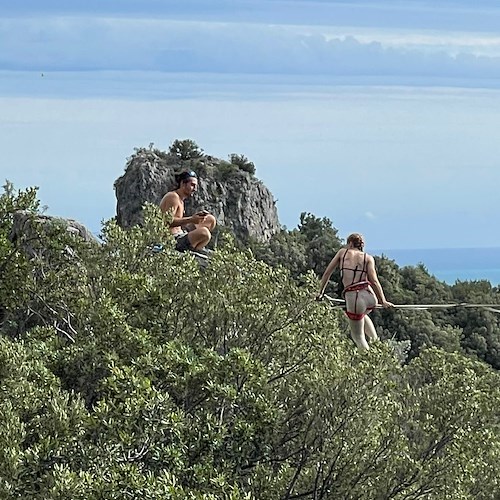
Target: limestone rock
(238, 200)
(27, 228)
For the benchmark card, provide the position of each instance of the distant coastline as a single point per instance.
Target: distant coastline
(450, 264)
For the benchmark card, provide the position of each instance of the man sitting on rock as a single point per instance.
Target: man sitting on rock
(194, 232)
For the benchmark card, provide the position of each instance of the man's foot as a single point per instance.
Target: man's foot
(203, 251)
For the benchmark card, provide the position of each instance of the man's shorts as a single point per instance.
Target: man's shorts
(182, 242)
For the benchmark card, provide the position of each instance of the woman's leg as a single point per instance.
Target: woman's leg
(358, 334)
(370, 302)
(359, 302)
(369, 328)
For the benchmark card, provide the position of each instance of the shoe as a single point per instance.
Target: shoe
(205, 251)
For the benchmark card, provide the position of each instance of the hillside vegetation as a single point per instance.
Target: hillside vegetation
(131, 374)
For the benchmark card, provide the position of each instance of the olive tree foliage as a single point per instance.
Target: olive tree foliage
(286, 249)
(13, 266)
(481, 328)
(131, 374)
(237, 166)
(308, 247)
(185, 149)
(242, 162)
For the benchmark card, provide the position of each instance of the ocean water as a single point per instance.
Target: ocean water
(451, 264)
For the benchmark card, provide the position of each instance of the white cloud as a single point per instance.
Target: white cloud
(452, 43)
(74, 44)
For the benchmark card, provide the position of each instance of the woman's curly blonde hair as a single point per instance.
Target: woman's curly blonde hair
(357, 240)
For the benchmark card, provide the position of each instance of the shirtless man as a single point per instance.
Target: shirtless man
(361, 288)
(190, 233)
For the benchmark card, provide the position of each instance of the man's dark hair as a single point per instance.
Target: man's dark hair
(184, 176)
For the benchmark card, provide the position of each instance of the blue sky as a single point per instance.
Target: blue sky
(383, 116)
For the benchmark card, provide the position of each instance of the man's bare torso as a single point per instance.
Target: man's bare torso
(173, 204)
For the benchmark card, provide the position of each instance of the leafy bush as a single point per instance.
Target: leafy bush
(242, 162)
(140, 375)
(185, 149)
(226, 171)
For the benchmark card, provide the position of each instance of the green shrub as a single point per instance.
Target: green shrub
(242, 162)
(143, 376)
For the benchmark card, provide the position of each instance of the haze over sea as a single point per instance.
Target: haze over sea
(451, 264)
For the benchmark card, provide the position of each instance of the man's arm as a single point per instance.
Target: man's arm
(373, 279)
(171, 203)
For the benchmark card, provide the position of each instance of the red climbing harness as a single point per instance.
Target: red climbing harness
(356, 286)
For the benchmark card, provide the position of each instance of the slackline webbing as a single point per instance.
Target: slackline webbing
(488, 307)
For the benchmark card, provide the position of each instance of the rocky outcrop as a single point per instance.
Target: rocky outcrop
(28, 229)
(238, 200)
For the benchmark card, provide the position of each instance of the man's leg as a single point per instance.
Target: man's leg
(202, 232)
(182, 243)
(209, 222)
(199, 237)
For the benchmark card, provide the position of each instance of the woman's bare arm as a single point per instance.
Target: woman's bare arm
(328, 272)
(377, 287)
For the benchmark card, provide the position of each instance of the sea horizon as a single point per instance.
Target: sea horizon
(450, 264)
